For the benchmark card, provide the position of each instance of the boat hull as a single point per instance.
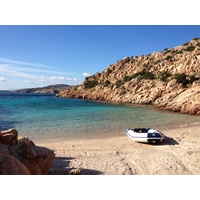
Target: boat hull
(145, 135)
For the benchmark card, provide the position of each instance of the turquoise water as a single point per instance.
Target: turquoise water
(45, 116)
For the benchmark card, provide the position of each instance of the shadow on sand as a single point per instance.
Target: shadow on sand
(168, 141)
(60, 166)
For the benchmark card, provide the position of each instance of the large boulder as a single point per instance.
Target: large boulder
(9, 165)
(38, 160)
(4, 149)
(9, 137)
(23, 156)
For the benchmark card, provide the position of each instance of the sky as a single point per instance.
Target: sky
(41, 55)
(85, 37)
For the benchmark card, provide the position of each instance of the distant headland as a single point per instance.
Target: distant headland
(47, 89)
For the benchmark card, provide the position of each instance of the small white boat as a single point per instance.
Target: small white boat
(145, 135)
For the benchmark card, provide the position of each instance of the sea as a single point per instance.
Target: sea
(45, 116)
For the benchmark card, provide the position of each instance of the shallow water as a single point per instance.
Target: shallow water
(45, 116)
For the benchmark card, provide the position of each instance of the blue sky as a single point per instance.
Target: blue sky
(40, 55)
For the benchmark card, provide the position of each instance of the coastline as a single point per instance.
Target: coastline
(178, 154)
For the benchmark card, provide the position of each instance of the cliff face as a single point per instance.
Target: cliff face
(169, 80)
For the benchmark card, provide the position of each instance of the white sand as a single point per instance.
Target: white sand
(178, 154)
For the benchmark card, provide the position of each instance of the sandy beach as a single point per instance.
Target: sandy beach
(178, 154)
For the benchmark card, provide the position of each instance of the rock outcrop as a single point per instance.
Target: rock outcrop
(38, 160)
(9, 137)
(168, 80)
(10, 165)
(23, 157)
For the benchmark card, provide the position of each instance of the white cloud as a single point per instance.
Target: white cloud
(9, 70)
(60, 78)
(51, 79)
(86, 74)
(6, 60)
(2, 79)
(32, 73)
(32, 70)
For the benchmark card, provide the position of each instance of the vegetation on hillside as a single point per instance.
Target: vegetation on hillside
(148, 71)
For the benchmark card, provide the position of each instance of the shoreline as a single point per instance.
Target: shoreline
(178, 154)
(90, 136)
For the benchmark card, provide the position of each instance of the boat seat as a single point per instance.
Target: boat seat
(140, 130)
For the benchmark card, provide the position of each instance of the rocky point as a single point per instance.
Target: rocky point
(169, 80)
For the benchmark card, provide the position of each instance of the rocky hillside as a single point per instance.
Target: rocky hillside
(48, 89)
(169, 80)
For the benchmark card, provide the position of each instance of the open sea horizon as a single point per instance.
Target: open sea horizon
(45, 116)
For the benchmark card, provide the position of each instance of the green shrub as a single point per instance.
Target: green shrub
(107, 82)
(190, 48)
(141, 73)
(181, 78)
(91, 84)
(185, 44)
(157, 61)
(168, 57)
(167, 51)
(144, 75)
(184, 79)
(148, 75)
(164, 76)
(126, 78)
(119, 83)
